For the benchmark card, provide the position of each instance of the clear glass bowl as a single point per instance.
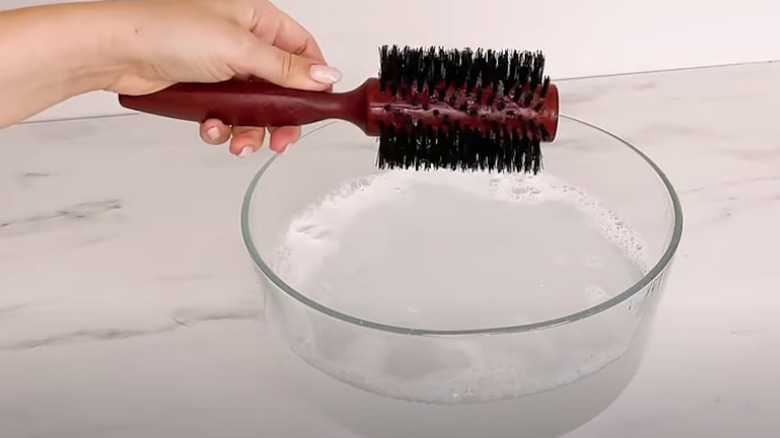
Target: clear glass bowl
(441, 303)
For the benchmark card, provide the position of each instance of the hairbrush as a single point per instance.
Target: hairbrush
(429, 107)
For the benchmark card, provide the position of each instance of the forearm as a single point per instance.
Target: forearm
(54, 52)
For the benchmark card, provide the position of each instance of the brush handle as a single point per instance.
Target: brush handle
(262, 104)
(249, 103)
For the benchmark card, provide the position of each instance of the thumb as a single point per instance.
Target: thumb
(286, 69)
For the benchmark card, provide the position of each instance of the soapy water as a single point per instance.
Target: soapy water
(451, 250)
(423, 232)
(325, 402)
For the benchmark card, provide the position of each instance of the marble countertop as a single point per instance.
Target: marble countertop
(129, 308)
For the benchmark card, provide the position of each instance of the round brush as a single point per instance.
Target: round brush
(429, 107)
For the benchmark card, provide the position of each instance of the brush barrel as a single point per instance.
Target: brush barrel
(534, 116)
(249, 103)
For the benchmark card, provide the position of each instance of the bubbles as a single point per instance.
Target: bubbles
(596, 294)
(481, 384)
(518, 191)
(453, 375)
(319, 231)
(315, 233)
(534, 189)
(303, 228)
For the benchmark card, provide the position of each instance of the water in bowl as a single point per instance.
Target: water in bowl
(451, 251)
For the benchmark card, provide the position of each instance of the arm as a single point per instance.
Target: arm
(51, 54)
(54, 52)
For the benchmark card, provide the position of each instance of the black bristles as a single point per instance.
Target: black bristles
(487, 92)
(405, 69)
(423, 147)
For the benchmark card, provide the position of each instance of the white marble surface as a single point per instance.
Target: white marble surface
(128, 307)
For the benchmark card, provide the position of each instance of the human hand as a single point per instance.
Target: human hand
(216, 40)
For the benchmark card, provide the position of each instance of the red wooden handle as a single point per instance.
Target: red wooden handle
(246, 103)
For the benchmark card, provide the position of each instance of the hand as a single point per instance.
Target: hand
(216, 40)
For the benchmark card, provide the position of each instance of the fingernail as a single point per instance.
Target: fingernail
(213, 133)
(247, 151)
(324, 74)
(284, 148)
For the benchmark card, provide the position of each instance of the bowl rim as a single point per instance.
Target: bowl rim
(658, 269)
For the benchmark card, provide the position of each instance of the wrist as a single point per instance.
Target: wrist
(55, 52)
(61, 49)
(97, 52)
(125, 42)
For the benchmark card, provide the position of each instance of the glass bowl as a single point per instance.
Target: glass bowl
(460, 304)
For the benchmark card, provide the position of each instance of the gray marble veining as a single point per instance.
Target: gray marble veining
(128, 306)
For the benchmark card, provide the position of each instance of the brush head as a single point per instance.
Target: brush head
(463, 109)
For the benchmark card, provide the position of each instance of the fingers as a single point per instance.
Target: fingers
(246, 140)
(283, 68)
(279, 50)
(214, 132)
(276, 27)
(282, 138)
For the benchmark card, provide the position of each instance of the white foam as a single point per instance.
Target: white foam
(313, 233)
(472, 372)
